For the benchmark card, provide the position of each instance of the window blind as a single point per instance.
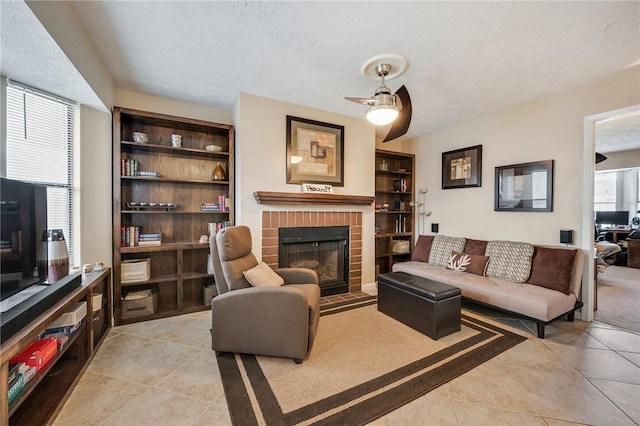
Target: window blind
(40, 139)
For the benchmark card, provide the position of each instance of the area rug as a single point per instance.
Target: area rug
(363, 365)
(618, 296)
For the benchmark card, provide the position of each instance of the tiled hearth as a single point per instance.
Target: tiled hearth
(273, 220)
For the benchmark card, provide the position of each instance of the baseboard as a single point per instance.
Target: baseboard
(369, 287)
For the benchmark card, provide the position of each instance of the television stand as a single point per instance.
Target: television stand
(42, 397)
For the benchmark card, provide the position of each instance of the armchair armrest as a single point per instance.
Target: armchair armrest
(261, 320)
(298, 275)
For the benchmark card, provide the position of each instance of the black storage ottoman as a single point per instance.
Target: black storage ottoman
(430, 307)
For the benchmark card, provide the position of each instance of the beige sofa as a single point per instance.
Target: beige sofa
(540, 283)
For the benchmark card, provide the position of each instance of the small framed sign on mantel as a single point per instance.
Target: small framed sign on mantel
(317, 188)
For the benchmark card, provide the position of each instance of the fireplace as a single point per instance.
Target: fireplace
(272, 221)
(323, 249)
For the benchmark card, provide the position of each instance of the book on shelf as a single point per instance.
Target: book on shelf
(149, 243)
(131, 237)
(147, 174)
(128, 167)
(15, 387)
(155, 236)
(68, 329)
(14, 370)
(222, 205)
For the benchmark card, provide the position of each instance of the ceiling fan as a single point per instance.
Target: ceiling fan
(385, 108)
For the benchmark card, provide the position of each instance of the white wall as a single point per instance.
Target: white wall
(261, 165)
(549, 128)
(62, 23)
(620, 160)
(95, 187)
(144, 102)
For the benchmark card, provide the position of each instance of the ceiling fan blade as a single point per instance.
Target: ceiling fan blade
(363, 101)
(401, 124)
(600, 158)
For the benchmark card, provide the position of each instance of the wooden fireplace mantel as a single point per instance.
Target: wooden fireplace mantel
(263, 197)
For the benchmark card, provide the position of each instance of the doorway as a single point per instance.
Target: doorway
(616, 203)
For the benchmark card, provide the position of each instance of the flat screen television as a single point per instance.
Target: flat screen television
(23, 218)
(24, 293)
(616, 218)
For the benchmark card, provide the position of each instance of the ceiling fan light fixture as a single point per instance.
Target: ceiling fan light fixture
(382, 114)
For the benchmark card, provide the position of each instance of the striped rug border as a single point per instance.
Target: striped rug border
(245, 384)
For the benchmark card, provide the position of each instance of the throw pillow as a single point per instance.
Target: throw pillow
(509, 260)
(263, 276)
(552, 268)
(442, 247)
(466, 262)
(475, 247)
(422, 248)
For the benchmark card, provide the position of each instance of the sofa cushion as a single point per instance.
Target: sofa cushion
(263, 276)
(423, 248)
(442, 247)
(471, 263)
(475, 247)
(552, 268)
(509, 260)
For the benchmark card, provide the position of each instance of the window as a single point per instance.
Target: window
(604, 191)
(40, 135)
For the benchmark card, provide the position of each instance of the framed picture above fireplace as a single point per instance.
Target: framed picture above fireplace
(315, 152)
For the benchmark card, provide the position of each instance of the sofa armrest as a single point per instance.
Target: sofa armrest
(261, 320)
(298, 275)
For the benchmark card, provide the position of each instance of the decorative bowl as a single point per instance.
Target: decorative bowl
(140, 137)
(213, 148)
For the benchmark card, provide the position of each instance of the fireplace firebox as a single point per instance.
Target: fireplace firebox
(323, 249)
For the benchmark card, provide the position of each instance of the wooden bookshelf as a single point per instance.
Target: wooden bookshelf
(179, 264)
(394, 190)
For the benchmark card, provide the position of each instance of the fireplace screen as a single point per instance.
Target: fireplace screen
(323, 249)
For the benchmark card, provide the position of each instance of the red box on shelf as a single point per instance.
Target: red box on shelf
(37, 354)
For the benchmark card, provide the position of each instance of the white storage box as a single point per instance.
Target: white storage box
(72, 316)
(140, 307)
(135, 270)
(97, 302)
(400, 246)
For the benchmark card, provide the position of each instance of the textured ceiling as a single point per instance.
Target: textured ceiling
(29, 55)
(466, 59)
(621, 133)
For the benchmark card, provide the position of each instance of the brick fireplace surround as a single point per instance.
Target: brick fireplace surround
(273, 220)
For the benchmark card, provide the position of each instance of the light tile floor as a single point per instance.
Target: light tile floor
(162, 372)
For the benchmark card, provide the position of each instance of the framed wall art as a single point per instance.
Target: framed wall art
(462, 168)
(524, 187)
(315, 152)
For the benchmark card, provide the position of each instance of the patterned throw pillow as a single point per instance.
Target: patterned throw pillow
(509, 260)
(465, 262)
(442, 247)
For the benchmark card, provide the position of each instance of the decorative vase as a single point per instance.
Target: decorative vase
(218, 173)
(54, 256)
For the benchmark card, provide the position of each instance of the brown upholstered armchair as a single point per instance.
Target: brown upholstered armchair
(274, 320)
